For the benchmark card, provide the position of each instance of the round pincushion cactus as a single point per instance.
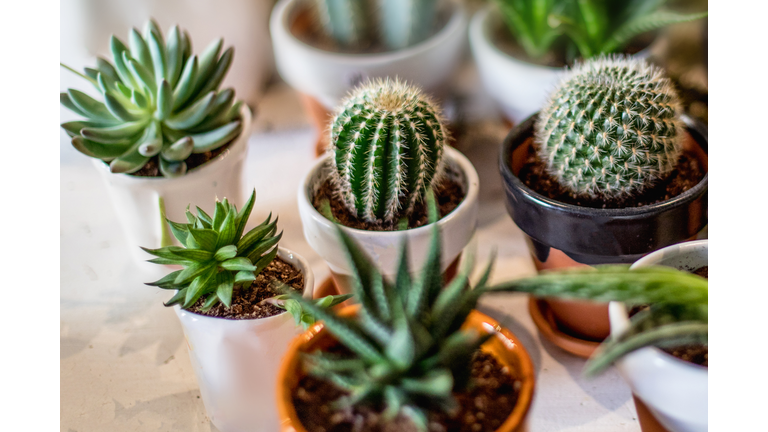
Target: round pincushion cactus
(611, 128)
(387, 140)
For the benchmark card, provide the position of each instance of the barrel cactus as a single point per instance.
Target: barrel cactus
(387, 140)
(611, 129)
(160, 101)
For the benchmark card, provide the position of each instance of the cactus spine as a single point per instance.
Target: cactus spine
(387, 140)
(610, 129)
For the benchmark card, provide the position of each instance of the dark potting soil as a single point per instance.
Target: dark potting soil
(687, 174)
(482, 408)
(702, 271)
(152, 167)
(247, 302)
(449, 194)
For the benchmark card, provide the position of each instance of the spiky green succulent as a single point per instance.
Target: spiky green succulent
(159, 102)
(396, 24)
(407, 350)
(677, 313)
(215, 255)
(611, 128)
(387, 140)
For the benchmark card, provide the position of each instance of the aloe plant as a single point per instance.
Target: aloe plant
(216, 256)
(160, 101)
(678, 300)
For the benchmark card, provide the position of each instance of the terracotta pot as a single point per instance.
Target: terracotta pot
(505, 347)
(564, 235)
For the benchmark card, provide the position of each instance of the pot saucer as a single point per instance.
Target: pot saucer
(648, 422)
(545, 321)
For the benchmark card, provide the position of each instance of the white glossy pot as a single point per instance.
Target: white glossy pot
(328, 76)
(236, 361)
(383, 247)
(242, 23)
(674, 390)
(135, 199)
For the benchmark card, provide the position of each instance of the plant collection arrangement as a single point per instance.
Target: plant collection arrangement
(606, 169)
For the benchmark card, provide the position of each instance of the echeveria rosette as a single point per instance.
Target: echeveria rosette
(159, 101)
(216, 256)
(408, 352)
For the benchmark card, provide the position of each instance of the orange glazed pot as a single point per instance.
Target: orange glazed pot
(505, 347)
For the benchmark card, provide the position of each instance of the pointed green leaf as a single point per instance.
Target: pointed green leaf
(166, 282)
(206, 238)
(177, 298)
(238, 264)
(225, 287)
(211, 140)
(91, 107)
(226, 252)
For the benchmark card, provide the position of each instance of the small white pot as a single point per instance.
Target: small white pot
(456, 228)
(328, 76)
(135, 199)
(236, 361)
(674, 390)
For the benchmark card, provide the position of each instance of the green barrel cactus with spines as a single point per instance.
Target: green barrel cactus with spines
(387, 140)
(159, 101)
(610, 129)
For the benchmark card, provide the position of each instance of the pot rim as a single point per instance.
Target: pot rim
(476, 319)
(461, 161)
(289, 256)
(519, 133)
(282, 11)
(235, 150)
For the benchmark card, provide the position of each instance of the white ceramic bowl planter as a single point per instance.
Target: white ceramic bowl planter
(136, 199)
(456, 228)
(674, 390)
(236, 361)
(328, 76)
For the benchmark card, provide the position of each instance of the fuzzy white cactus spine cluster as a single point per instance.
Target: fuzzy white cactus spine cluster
(387, 139)
(611, 128)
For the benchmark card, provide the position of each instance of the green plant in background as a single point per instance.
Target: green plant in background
(529, 21)
(160, 101)
(407, 350)
(387, 139)
(396, 24)
(611, 128)
(215, 255)
(678, 312)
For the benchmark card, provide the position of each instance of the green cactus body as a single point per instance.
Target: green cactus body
(611, 128)
(387, 141)
(406, 22)
(159, 100)
(346, 21)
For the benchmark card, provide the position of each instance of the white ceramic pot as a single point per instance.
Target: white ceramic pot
(674, 390)
(135, 199)
(383, 247)
(518, 87)
(236, 361)
(242, 23)
(328, 76)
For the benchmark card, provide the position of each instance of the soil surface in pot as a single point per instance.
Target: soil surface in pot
(247, 302)
(449, 194)
(483, 407)
(702, 271)
(687, 174)
(152, 167)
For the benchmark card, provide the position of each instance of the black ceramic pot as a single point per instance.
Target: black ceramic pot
(599, 236)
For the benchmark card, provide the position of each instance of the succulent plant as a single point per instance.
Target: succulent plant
(408, 353)
(160, 101)
(396, 24)
(610, 129)
(215, 255)
(677, 313)
(387, 139)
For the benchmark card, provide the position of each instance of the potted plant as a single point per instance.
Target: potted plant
(164, 132)
(607, 172)
(522, 47)
(388, 156)
(324, 48)
(410, 356)
(235, 337)
(661, 350)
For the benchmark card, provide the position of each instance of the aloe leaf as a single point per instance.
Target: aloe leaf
(225, 252)
(205, 238)
(90, 106)
(192, 115)
(117, 47)
(139, 49)
(178, 151)
(186, 84)
(195, 255)
(255, 235)
(180, 231)
(219, 112)
(244, 276)
(435, 383)
(119, 110)
(238, 264)
(65, 100)
(129, 162)
(99, 150)
(214, 139)
(164, 100)
(151, 141)
(203, 216)
(186, 44)
(208, 61)
(210, 302)
(227, 230)
(166, 282)
(261, 248)
(157, 52)
(106, 68)
(242, 216)
(219, 72)
(224, 288)
(264, 261)
(73, 128)
(199, 286)
(168, 252)
(174, 56)
(172, 169)
(178, 298)
(646, 23)
(137, 97)
(190, 272)
(140, 74)
(120, 134)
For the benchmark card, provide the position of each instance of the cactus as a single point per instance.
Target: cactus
(403, 23)
(346, 21)
(159, 101)
(387, 140)
(611, 129)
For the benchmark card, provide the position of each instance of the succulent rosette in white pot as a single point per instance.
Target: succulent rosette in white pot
(164, 134)
(387, 161)
(227, 298)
